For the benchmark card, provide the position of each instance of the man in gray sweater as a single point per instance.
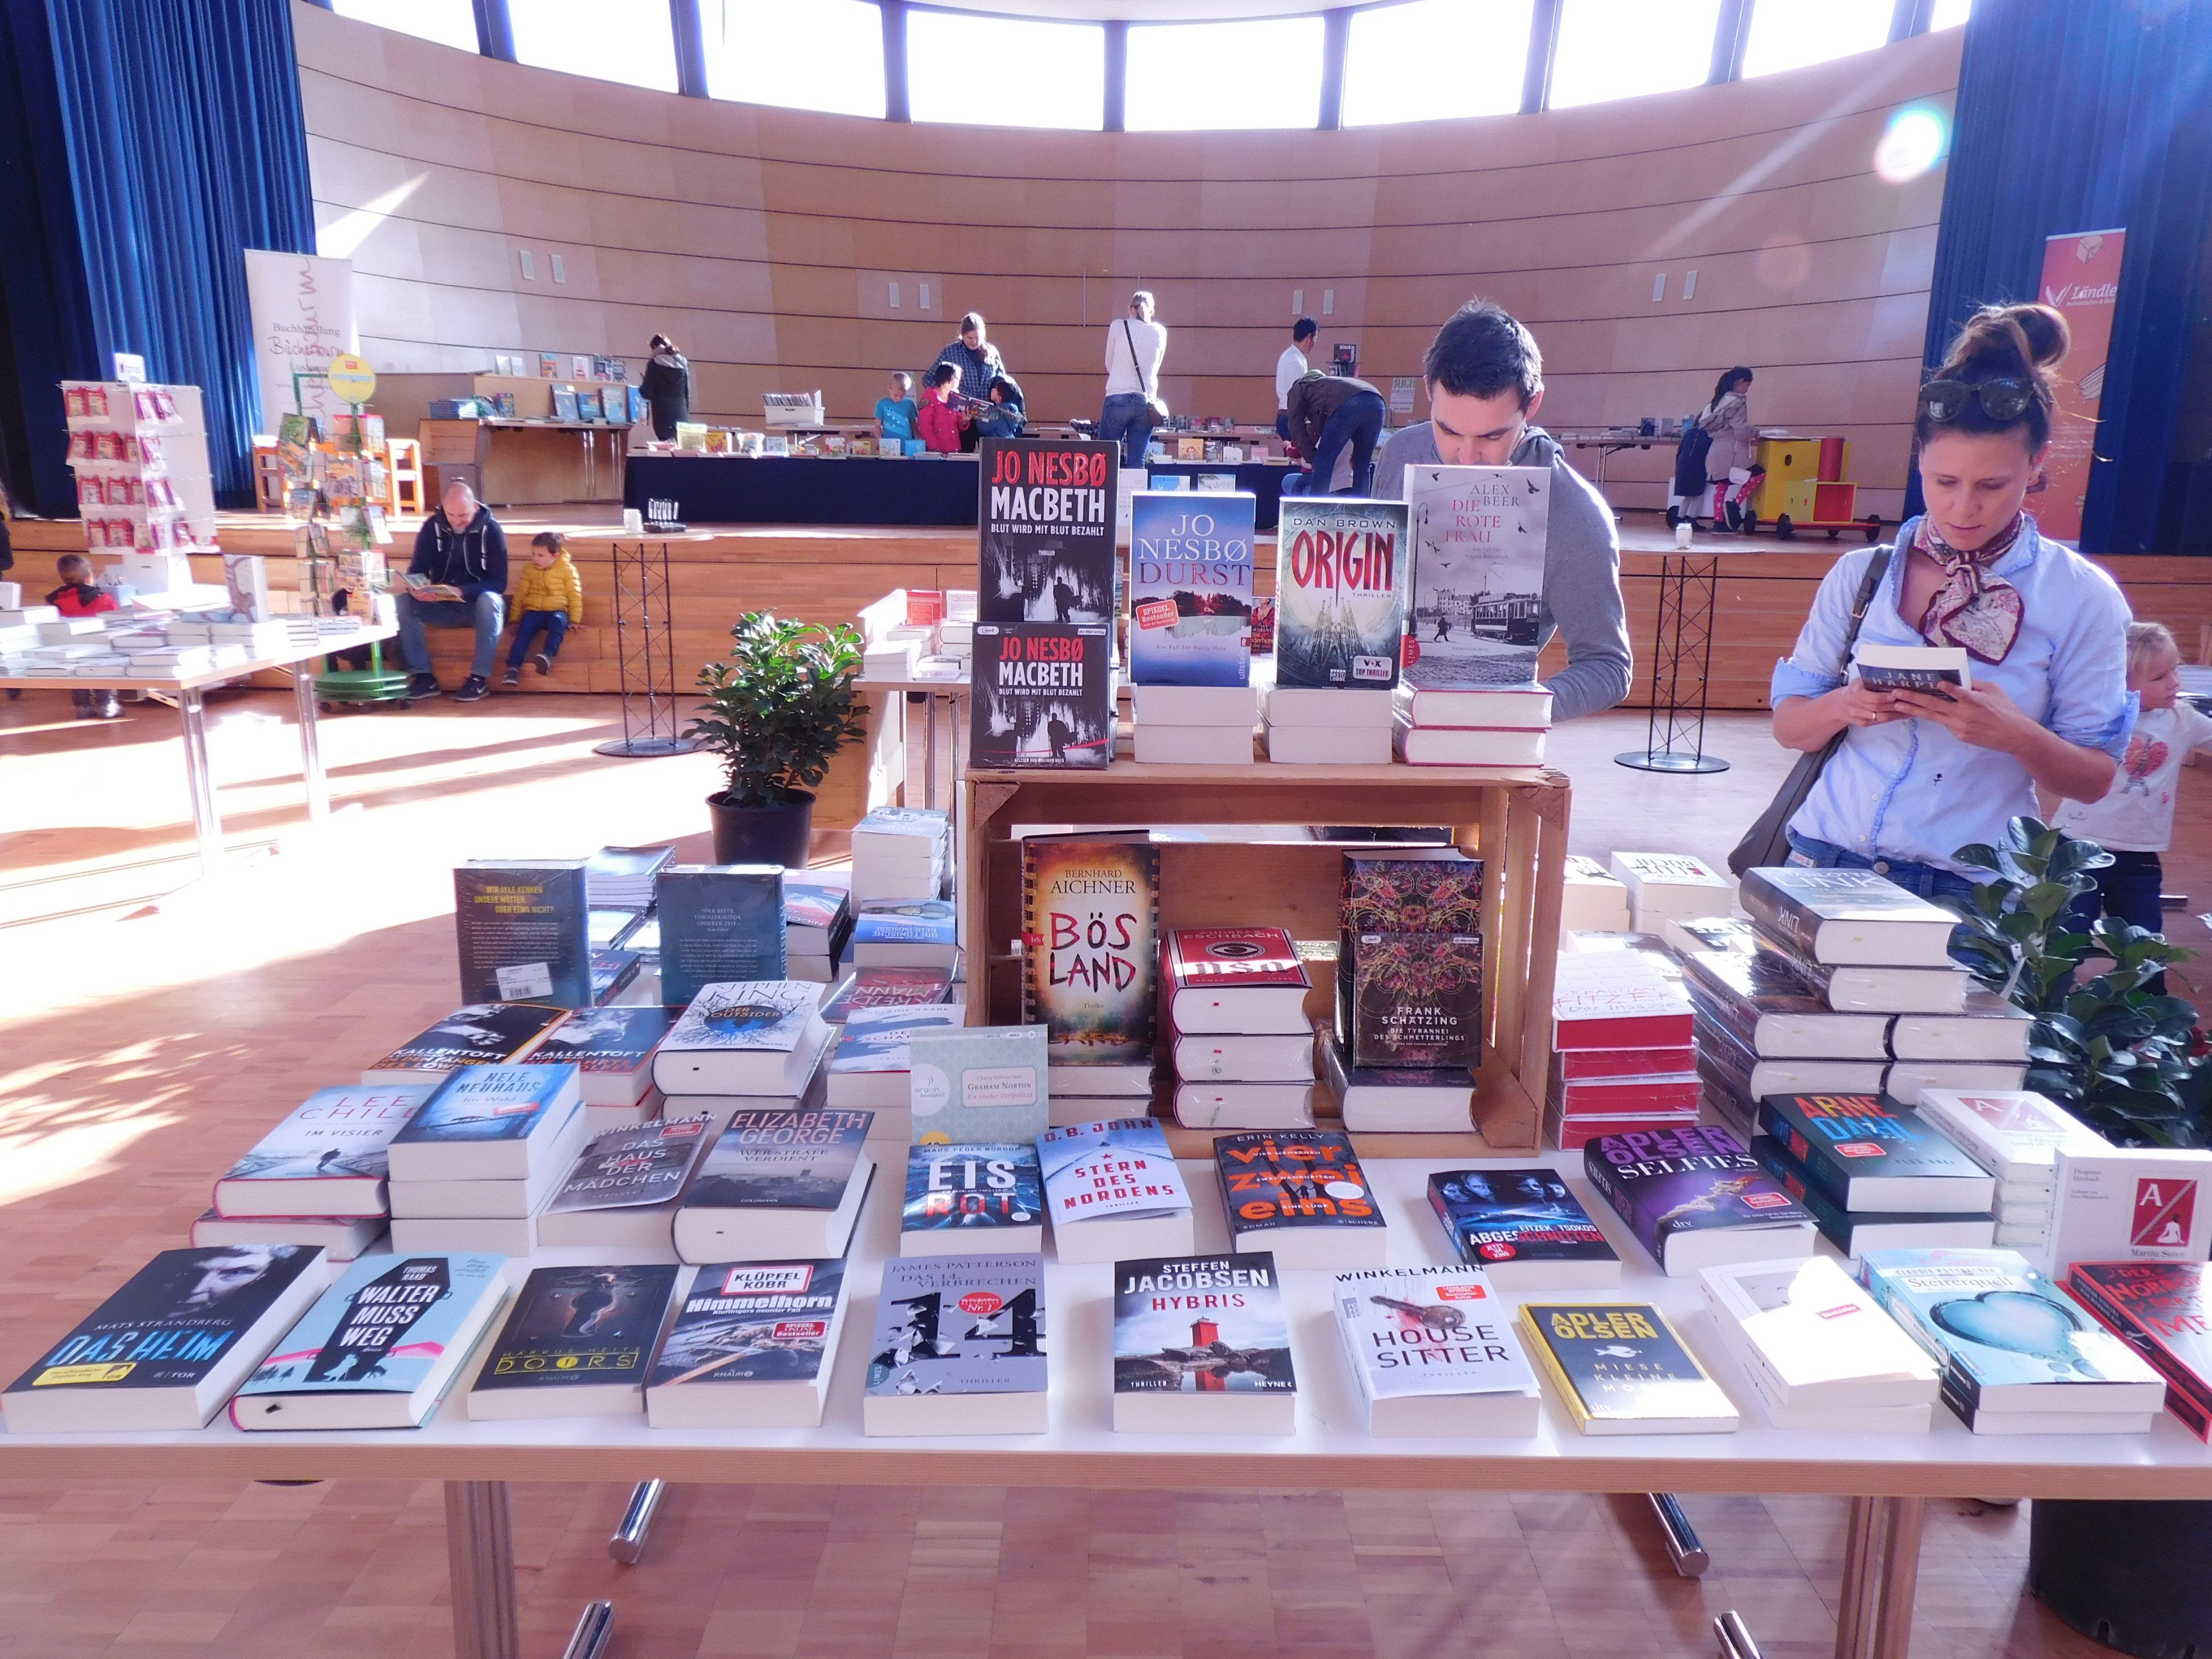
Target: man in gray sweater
(1486, 380)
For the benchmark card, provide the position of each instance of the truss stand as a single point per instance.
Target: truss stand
(1681, 668)
(645, 658)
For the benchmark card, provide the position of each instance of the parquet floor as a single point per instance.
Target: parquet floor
(147, 1039)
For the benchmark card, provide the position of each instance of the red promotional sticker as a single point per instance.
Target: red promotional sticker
(1158, 613)
(980, 1303)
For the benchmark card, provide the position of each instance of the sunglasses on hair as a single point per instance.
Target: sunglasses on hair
(1943, 401)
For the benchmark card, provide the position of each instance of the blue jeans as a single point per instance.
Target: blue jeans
(554, 624)
(1925, 879)
(1126, 419)
(486, 613)
(1282, 424)
(1358, 422)
(2127, 889)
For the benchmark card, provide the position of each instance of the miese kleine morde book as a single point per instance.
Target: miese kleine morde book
(1435, 1353)
(171, 1345)
(1190, 588)
(958, 1348)
(1045, 542)
(523, 931)
(751, 1347)
(487, 1123)
(1695, 1199)
(1043, 696)
(1342, 572)
(720, 924)
(1620, 1368)
(1478, 537)
(379, 1347)
(1091, 947)
(327, 1158)
(1201, 1346)
(577, 1343)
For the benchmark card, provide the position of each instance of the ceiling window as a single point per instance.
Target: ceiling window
(1949, 14)
(1620, 48)
(1185, 76)
(1005, 72)
(1787, 34)
(1389, 75)
(825, 55)
(449, 22)
(635, 43)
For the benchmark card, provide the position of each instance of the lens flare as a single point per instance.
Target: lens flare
(1914, 141)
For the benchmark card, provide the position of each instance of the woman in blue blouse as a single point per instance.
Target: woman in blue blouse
(1917, 776)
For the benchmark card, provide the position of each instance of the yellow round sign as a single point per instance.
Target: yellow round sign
(351, 378)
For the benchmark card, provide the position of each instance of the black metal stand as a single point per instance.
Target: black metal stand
(645, 656)
(1681, 668)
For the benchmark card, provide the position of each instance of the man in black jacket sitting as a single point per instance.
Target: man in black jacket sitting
(456, 579)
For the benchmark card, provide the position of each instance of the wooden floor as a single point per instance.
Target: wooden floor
(153, 1032)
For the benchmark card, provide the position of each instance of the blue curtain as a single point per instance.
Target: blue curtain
(2074, 116)
(164, 137)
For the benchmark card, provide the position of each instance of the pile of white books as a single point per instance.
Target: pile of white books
(2016, 1135)
(1327, 726)
(1505, 727)
(1678, 885)
(1195, 725)
(902, 852)
(1819, 1352)
(477, 1162)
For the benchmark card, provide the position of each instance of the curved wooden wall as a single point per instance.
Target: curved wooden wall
(765, 240)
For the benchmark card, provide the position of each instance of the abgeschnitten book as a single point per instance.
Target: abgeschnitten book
(868, 1068)
(959, 1347)
(1435, 1353)
(1523, 1227)
(751, 1347)
(326, 1158)
(1201, 1346)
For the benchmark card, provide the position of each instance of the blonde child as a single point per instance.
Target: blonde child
(549, 600)
(2134, 820)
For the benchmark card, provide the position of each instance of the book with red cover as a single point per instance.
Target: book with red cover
(1616, 999)
(1572, 1134)
(2158, 1309)
(887, 988)
(1577, 1063)
(1242, 980)
(1619, 1096)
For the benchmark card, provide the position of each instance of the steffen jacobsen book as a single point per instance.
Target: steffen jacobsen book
(1201, 1346)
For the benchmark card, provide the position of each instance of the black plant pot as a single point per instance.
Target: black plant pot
(763, 835)
(2128, 1574)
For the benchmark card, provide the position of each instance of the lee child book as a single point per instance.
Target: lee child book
(1479, 539)
(1190, 589)
(1091, 947)
(1342, 572)
(326, 1158)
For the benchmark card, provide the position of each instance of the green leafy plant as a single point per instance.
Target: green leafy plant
(778, 709)
(2119, 1056)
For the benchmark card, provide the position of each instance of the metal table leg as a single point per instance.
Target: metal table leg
(311, 749)
(1855, 1607)
(207, 826)
(1683, 1547)
(589, 1639)
(480, 1561)
(1900, 1575)
(1734, 1637)
(628, 1543)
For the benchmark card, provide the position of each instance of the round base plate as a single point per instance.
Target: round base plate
(1670, 760)
(644, 748)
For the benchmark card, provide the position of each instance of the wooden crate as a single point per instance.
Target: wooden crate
(1515, 820)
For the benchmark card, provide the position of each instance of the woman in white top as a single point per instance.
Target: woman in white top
(1135, 348)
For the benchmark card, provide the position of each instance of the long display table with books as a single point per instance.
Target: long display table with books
(1330, 1446)
(857, 489)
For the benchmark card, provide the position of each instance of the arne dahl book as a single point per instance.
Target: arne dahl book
(1871, 1153)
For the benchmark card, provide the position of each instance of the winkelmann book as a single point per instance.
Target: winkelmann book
(1435, 1353)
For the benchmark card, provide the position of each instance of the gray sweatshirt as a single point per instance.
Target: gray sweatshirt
(1582, 568)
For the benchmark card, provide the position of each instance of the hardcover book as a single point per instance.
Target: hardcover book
(1235, 980)
(1395, 894)
(1620, 1369)
(612, 1049)
(2015, 1135)
(1871, 1153)
(482, 1034)
(972, 1197)
(1190, 589)
(622, 878)
(977, 1084)
(751, 1346)
(1810, 1334)
(1435, 1353)
(1617, 1000)
(487, 1123)
(815, 916)
(719, 924)
(868, 1067)
(750, 1037)
(1112, 1188)
(1769, 1010)
(1848, 916)
(1416, 1001)
(1091, 947)
(1478, 537)
(523, 931)
(379, 1348)
(1396, 1099)
(326, 1158)
(1201, 1346)
(777, 1184)
(911, 932)
(1045, 542)
(1695, 1197)
(959, 1347)
(627, 1168)
(1041, 695)
(1854, 1232)
(1523, 1227)
(2158, 1308)
(885, 988)
(171, 1345)
(577, 1342)
(1301, 1194)
(1342, 573)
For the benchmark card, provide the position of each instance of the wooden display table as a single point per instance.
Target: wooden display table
(524, 463)
(1515, 819)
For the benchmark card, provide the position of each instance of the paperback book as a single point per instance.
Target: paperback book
(959, 1347)
(1201, 1346)
(1113, 1189)
(482, 1034)
(1342, 571)
(973, 1197)
(1817, 1349)
(1091, 947)
(488, 1123)
(751, 1347)
(1935, 669)
(2130, 1204)
(1479, 539)
(524, 932)
(1620, 1369)
(648, 1165)
(1435, 1353)
(1301, 1195)
(326, 1158)
(923, 933)
(720, 924)
(1871, 1153)
(1522, 1227)
(1045, 542)
(1190, 589)
(2158, 1308)
(577, 1343)
(1695, 1197)
(1041, 695)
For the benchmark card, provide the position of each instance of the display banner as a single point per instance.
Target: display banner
(302, 310)
(2081, 281)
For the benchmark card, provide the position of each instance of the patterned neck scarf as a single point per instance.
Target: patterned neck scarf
(1972, 608)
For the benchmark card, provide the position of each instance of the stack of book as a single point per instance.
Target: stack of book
(1874, 1175)
(1503, 727)
(817, 924)
(1409, 988)
(885, 988)
(619, 1197)
(1695, 1199)
(2016, 1136)
(917, 932)
(2160, 1310)
(318, 1177)
(1090, 964)
(1592, 901)
(482, 1034)
(1663, 885)
(902, 852)
(868, 1068)
(1863, 945)
(780, 1184)
(973, 1179)
(1190, 627)
(613, 1050)
(620, 877)
(1233, 1003)
(1819, 1352)
(475, 1165)
(748, 1044)
(1621, 1056)
(1343, 573)
(2016, 1354)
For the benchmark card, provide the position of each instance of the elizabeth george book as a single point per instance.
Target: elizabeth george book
(1434, 1353)
(1479, 536)
(959, 1348)
(751, 1347)
(777, 1184)
(1201, 1346)
(1190, 589)
(1342, 577)
(327, 1157)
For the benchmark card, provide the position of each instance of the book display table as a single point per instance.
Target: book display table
(512, 462)
(857, 489)
(1263, 479)
(207, 824)
(1889, 1475)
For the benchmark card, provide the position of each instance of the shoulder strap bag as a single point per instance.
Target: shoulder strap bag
(1767, 843)
(1154, 401)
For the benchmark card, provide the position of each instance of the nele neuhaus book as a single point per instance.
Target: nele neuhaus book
(1435, 1352)
(326, 1158)
(1479, 539)
(1091, 947)
(523, 930)
(1620, 1369)
(1201, 1346)
(1343, 569)
(1041, 695)
(720, 924)
(171, 1345)
(959, 1347)
(487, 1123)
(1190, 589)
(1045, 535)
(577, 1342)
(750, 1346)
(1695, 1197)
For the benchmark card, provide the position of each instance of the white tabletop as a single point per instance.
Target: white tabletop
(290, 656)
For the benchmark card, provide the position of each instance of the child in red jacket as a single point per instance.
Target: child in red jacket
(938, 422)
(78, 597)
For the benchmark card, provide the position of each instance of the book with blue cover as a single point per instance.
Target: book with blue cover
(977, 1084)
(1857, 1231)
(523, 931)
(719, 923)
(379, 1348)
(487, 1123)
(959, 1347)
(963, 1198)
(1343, 569)
(1190, 589)
(1871, 1153)
(745, 1037)
(1522, 1227)
(904, 921)
(327, 1158)
(1115, 1192)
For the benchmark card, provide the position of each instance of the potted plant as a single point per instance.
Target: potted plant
(775, 711)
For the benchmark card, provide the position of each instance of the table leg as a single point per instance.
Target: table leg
(1855, 1601)
(311, 750)
(207, 826)
(1901, 1577)
(929, 751)
(480, 1563)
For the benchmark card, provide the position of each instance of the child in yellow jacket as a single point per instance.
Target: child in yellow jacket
(549, 600)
